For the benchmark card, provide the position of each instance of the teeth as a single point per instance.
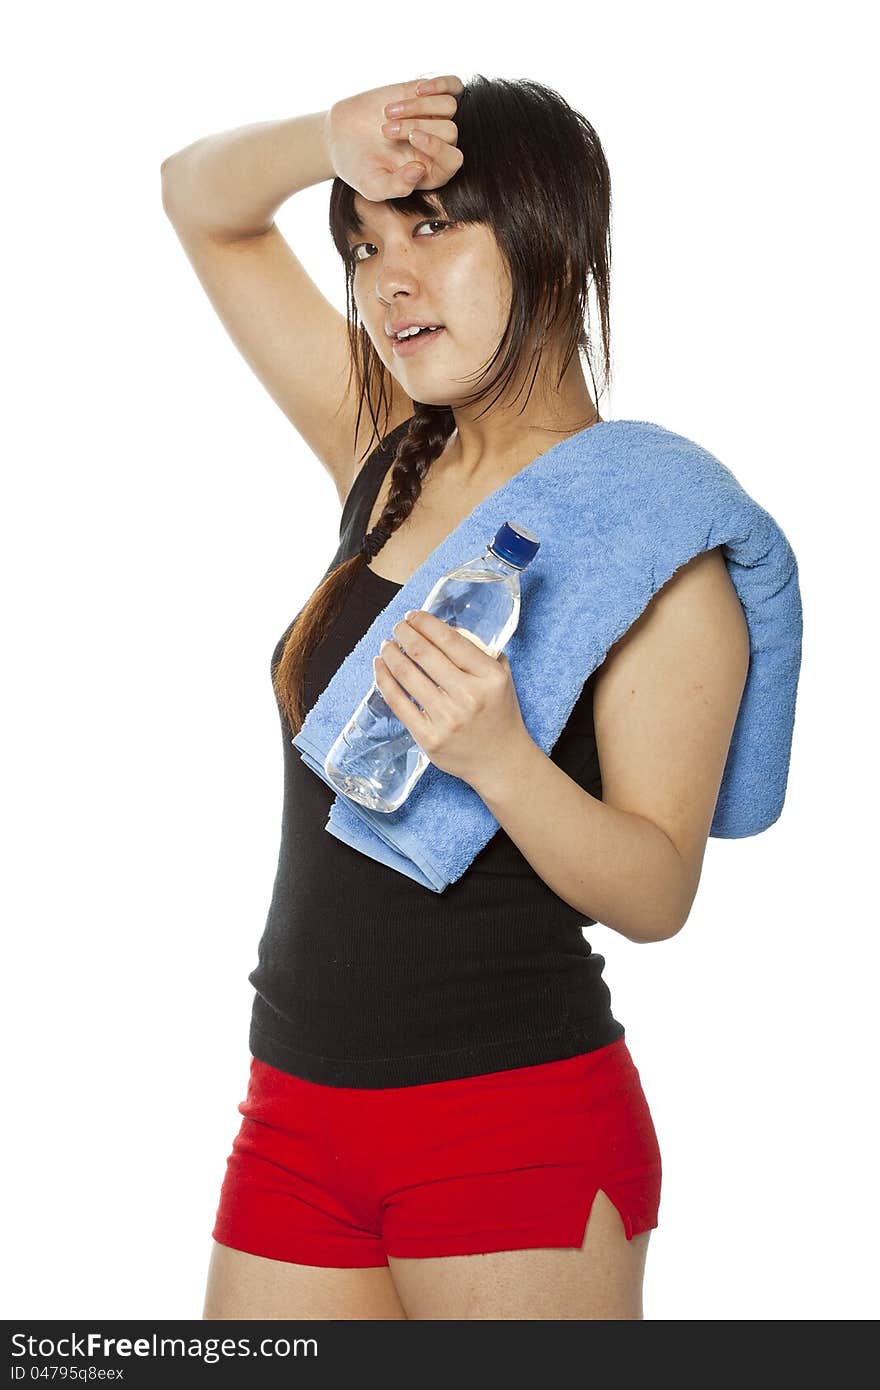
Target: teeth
(411, 332)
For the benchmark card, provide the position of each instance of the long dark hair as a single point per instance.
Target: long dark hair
(535, 172)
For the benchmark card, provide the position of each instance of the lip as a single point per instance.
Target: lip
(407, 346)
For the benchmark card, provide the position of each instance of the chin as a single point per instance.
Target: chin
(425, 396)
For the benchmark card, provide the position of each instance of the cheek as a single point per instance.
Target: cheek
(476, 296)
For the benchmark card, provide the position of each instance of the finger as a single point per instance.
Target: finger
(399, 129)
(462, 648)
(420, 87)
(421, 106)
(395, 696)
(430, 85)
(443, 159)
(410, 175)
(414, 675)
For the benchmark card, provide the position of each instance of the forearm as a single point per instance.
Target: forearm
(234, 182)
(610, 865)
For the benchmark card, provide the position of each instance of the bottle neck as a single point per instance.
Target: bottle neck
(497, 562)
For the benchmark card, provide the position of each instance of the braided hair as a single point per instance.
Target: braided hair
(425, 439)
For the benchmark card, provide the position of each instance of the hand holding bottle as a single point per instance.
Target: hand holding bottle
(381, 163)
(472, 719)
(445, 698)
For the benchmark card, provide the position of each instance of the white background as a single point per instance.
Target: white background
(163, 522)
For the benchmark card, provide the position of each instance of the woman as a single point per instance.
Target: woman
(440, 1077)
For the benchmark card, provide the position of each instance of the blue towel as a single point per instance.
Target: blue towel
(618, 508)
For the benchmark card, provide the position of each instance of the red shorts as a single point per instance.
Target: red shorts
(506, 1160)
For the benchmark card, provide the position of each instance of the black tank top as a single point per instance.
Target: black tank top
(366, 978)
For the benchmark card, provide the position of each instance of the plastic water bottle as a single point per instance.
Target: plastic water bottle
(375, 760)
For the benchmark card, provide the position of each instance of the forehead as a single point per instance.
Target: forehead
(375, 215)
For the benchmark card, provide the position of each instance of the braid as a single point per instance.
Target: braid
(423, 442)
(428, 431)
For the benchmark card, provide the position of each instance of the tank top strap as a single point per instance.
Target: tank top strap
(365, 489)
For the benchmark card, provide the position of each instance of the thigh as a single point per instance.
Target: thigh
(245, 1286)
(602, 1279)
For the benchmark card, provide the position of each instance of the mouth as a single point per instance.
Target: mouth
(405, 347)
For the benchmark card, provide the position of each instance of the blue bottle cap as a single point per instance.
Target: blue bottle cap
(516, 545)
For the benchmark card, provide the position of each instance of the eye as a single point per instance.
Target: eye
(431, 222)
(434, 222)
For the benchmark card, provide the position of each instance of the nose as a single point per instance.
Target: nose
(396, 275)
(393, 287)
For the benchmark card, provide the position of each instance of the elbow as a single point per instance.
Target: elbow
(172, 178)
(668, 931)
(166, 166)
(657, 932)
(664, 926)
(645, 933)
(682, 892)
(178, 159)
(674, 923)
(661, 913)
(164, 174)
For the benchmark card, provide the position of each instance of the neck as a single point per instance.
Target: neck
(508, 438)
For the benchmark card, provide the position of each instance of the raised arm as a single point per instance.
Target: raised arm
(221, 195)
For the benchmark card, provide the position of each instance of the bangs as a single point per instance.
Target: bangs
(421, 202)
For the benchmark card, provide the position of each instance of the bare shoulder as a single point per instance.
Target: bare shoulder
(696, 613)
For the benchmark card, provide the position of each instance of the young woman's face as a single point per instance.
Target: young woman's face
(435, 272)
